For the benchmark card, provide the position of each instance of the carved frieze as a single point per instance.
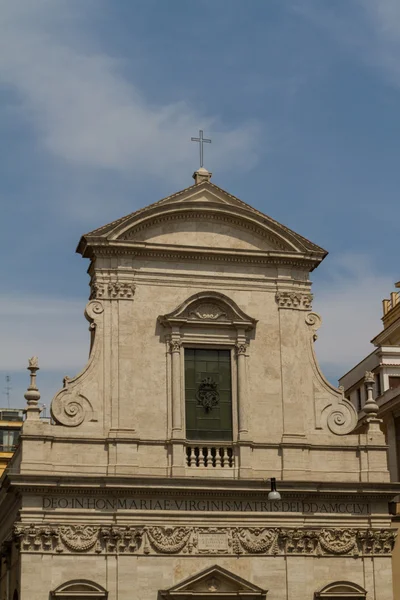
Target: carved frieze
(144, 540)
(168, 540)
(114, 290)
(297, 300)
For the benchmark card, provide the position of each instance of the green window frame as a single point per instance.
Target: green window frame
(208, 394)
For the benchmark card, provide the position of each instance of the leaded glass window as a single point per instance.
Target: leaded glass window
(208, 394)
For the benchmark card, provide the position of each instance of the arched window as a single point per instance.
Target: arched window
(342, 590)
(80, 589)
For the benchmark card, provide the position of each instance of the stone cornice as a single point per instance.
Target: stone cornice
(307, 261)
(189, 485)
(172, 540)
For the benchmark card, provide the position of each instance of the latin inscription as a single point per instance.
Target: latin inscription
(212, 541)
(165, 504)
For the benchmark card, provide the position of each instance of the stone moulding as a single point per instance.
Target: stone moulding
(294, 300)
(168, 540)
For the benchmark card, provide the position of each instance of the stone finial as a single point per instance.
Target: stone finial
(32, 395)
(201, 175)
(370, 407)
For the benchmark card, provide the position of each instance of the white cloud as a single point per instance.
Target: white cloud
(350, 304)
(369, 29)
(86, 112)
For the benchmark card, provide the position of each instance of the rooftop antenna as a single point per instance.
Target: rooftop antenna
(8, 389)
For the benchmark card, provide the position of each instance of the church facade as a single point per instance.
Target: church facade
(202, 383)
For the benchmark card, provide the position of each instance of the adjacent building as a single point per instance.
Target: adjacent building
(384, 362)
(11, 421)
(202, 383)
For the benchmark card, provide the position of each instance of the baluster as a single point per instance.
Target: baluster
(230, 457)
(211, 459)
(197, 456)
(189, 456)
(205, 457)
(219, 457)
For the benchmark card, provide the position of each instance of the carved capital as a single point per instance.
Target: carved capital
(113, 290)
(175, 346)
(241, 348)
(294, 300)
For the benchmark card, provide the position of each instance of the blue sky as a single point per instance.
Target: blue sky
(98, 100)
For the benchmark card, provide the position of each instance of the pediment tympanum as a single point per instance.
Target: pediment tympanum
(217, 583)
(207, 308)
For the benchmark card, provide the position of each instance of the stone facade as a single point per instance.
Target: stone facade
(112, 500)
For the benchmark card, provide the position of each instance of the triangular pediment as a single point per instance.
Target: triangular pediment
(215, 582)
(205, 217)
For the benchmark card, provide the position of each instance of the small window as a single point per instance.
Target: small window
(394, 382)
(208, 394)
(9, 439)
(378, 385)
(359, 405)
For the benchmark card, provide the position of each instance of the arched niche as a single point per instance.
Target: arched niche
(80, 588)
(344, 590)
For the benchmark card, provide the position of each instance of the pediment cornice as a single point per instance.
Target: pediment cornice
(202, 203)
(191, 253)
(207, 308)
(216, 582)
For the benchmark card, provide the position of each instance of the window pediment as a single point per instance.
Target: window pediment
(208, 308)
(216, 582)
(80, 589)
(342, 589)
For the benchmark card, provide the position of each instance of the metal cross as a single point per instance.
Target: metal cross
(201, 141)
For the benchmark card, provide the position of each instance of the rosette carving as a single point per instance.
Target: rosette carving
(79, 538)
(257, 540)
(338, 541)
(168, 540)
